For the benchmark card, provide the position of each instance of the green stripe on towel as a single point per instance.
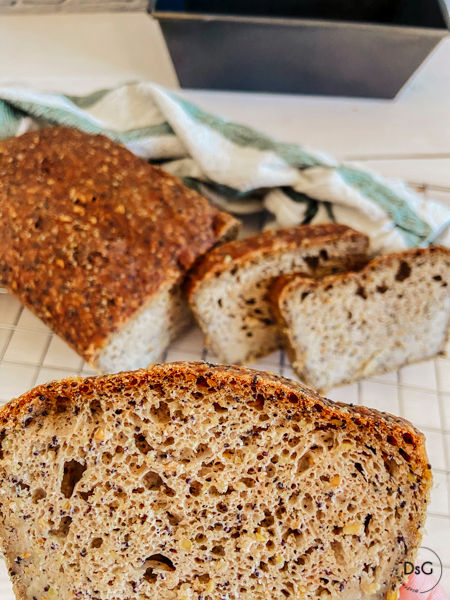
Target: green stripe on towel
(244, 136)
(412, 227)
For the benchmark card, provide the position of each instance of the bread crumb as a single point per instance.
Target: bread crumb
(186, 544)
(354, 528)
(370, 588)
(100, 435)
(335, 480)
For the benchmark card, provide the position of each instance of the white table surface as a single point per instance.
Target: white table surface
(408, 137)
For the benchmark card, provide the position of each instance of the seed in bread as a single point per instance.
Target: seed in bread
(347, 327)
(195, 481)
(228, 287)
(95, 241)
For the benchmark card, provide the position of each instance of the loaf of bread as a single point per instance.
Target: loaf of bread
(228, 288)
(191, 481)
(346, 327)
(96, 241)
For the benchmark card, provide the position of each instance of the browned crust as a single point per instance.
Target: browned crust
(227, 256)
(90, 233)
(288, 283)
(69, 393)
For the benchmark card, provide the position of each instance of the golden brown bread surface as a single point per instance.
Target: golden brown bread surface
(192, 480)
(89, 233)
(237, 252)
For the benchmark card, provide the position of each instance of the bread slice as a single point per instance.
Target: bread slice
(228, 288)
(346, 327)
(194, 481)
(96, 241)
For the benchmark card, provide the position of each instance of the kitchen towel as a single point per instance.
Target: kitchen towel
(238, 168)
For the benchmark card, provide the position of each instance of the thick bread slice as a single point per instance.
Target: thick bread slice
(95, 241)
(346, 327)
(191, 481)
(228, 288)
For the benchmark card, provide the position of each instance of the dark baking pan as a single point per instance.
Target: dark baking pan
(340, 47)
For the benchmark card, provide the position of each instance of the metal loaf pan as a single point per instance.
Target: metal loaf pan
(365, 48)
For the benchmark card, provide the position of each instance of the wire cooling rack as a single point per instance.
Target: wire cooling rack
(31, 354)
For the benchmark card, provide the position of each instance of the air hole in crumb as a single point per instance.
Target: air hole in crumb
(404, 271)
(307, 503)
(381, 289)
(312, 262)
(153, 481)
(195, 488)
(258, 403)
(202, 451)
(95, 407)
(366, 523)
(338, 551)
(107, 458)
(248, 482)
(141, 443)
(437, 278)
(305, 463)
(157, 563)
(323, 255)
(73, 472)
(86, 495)
(218, 551)
(38, 494)
(219, 408)
(267, 522)
(391, 466)
(405, 455)
(96, 542)
(173, 519)
(407, 437)
(304, 295)
(361, 292)
(161, 413)
(63, 529)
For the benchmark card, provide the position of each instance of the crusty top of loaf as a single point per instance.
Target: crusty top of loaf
(237, 252)
(69, 394)
(89, 232)
(288, 283)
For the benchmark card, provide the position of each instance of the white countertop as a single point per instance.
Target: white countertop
(408, 137)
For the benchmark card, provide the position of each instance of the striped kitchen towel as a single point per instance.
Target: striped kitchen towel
(237, 167)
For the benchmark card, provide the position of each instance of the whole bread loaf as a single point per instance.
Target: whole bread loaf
(228, 288)
(346, 327)
(96, 241)
(192, 481)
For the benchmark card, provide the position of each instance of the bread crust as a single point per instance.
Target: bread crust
(237, 252)
(90, 233)
(70, 392)
(287, 283)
